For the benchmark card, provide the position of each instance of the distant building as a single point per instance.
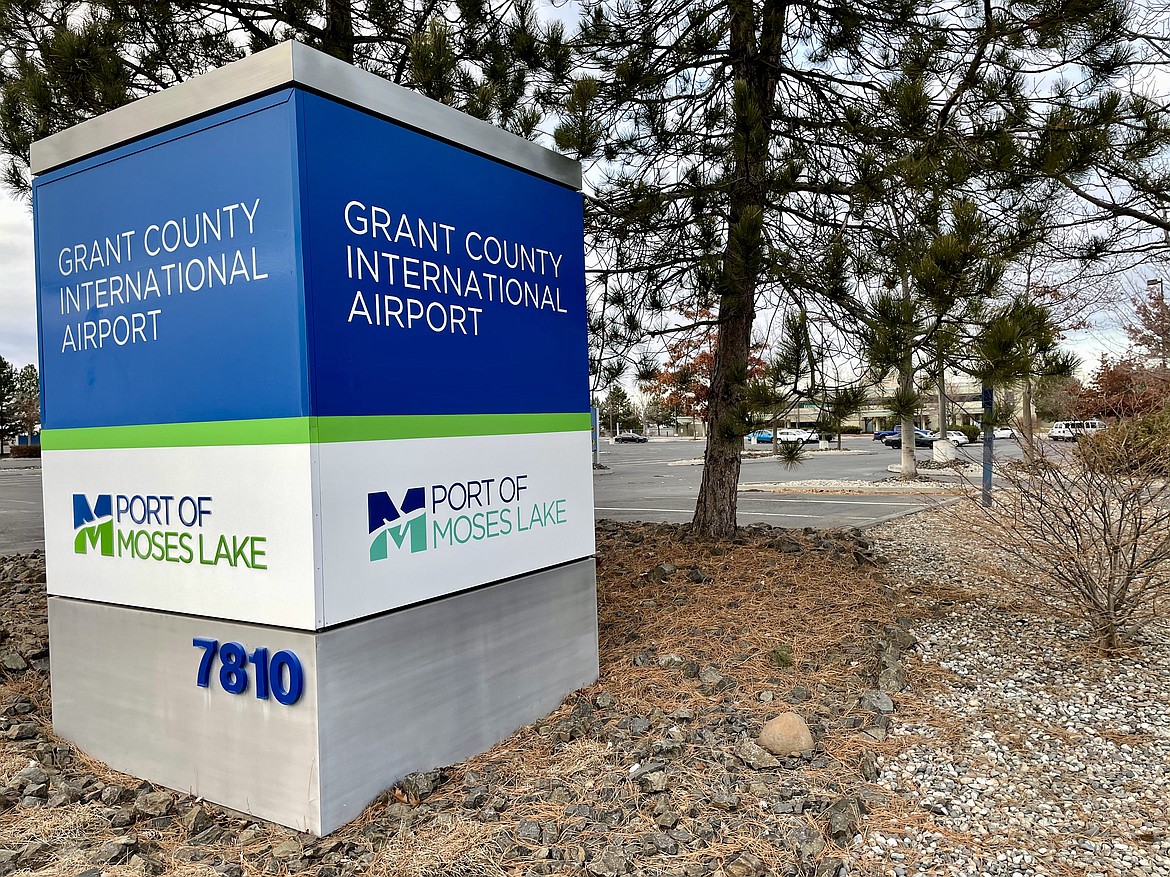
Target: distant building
(964, 405)
(964, 399)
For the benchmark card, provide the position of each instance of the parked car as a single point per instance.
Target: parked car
(922, 439)
(1071, 430)
(623, 437)
(884, 434)
(803, 436)
(999, 432)
(959, 438)
(762, 436)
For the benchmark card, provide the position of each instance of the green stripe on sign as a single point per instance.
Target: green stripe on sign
(370, 429)
(214, 433)
(300, 430)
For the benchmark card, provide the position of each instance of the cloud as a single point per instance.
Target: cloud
(18, 313)
(1104, 339)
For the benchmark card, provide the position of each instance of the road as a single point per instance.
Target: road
(643, 482)
(22, 527)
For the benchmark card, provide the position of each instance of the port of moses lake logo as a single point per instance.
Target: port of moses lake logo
(93, 525)
(456, 514)
(401, 522)
(161, 528)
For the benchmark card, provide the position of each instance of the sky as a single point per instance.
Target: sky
(18, 315)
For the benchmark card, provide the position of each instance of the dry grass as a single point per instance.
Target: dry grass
(450, 845)
(757, 600)
(820, 612)
(59, 826)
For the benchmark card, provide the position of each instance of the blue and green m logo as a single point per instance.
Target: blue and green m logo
(94, 524)
(406, 521)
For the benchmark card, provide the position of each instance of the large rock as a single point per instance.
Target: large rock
(876, 702)
(287, 849)
(195, 820)
(755, 756)
(154, 803)
(787, 734)
(611, 863)
(843, 818)
(33, 775)
(116, 851)
(804, 841)
(892, 679)
(710, 675)
(662, 572)
(746, 865)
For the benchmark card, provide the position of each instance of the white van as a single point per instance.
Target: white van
(1071, 430)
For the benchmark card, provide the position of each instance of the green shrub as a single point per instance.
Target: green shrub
(970, 431)
(19, 451)
(781, 656)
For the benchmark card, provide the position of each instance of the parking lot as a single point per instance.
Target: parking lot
(659, 481)
(22, 527)
(656, 481)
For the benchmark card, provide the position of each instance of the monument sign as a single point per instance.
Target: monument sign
(317, 482)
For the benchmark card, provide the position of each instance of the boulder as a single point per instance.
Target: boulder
(787, 734)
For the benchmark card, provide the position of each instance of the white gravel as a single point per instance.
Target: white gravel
(1034, 758)
(841, 485)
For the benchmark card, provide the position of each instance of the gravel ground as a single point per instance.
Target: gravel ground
(843, 485)
(1026, 755)
(1011, 752)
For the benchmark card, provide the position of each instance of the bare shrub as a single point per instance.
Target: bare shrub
(1089, 529)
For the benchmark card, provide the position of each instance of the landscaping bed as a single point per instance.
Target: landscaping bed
(956, 729)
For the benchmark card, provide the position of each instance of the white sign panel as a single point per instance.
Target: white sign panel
(404, 521)
(225, 532)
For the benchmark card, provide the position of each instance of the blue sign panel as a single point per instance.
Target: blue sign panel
(433, 280)
(439, 281)
(168, 281)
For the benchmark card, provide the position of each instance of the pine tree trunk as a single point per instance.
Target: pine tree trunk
(715, 509)
(1028, 424)
(339, 37)
(753, 107)
(909, 462)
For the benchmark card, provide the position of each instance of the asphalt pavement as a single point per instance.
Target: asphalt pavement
(22, 526)
(653, 482)
(656, 481)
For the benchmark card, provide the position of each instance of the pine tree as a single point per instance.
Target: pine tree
(28, 399)
(688, 110)
(617, 409)
(733, 142)
(64, 61)
(791, 374)
(9, 419)
(1018, 345)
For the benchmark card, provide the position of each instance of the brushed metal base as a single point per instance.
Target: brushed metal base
(383, 697)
